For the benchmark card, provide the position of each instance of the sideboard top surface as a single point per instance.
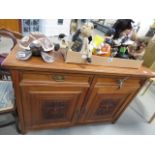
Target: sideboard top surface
(37, 64)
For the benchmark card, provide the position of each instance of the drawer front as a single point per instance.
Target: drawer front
(55, 78)
(119, 81)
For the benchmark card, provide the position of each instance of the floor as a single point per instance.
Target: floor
(129, 123)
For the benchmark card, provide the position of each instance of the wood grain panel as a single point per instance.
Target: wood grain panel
(12, 24)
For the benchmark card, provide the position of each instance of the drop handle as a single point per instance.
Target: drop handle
(58, 78)
(121, 82)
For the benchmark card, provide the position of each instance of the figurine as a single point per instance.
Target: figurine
(36, 44)
(37, 39)
(77, 41)
(137, 50)
(122, 27)
(35, 48)
(121, 38)
(82, 39)
(63, 42)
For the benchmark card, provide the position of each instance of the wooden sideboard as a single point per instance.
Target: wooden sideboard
(59, 94)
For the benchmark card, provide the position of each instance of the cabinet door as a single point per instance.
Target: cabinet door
(106, 103)
(109, 97)
(51, 106)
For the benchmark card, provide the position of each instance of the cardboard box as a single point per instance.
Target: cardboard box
(76, 57)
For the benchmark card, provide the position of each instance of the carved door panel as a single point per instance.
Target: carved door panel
(106, 103)
(46, 107)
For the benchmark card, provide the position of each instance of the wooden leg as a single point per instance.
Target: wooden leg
(18, 128)
(152, 118)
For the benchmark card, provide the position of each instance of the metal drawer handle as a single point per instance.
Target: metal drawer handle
(121, 82)
(58, 78)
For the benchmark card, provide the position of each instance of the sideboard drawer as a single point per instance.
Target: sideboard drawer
(55, 77)
(118, 80)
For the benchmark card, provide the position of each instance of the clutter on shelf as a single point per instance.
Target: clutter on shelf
(122, 48)
(37, 44)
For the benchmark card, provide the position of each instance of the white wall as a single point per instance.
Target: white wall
(144, 26)
(50, 27)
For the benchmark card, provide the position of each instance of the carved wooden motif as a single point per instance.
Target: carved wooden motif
(55, 110)
(107, 106)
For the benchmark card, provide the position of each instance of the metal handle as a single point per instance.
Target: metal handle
(121, 82)
(58, 78)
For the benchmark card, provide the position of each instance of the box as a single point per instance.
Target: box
(76, 57)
